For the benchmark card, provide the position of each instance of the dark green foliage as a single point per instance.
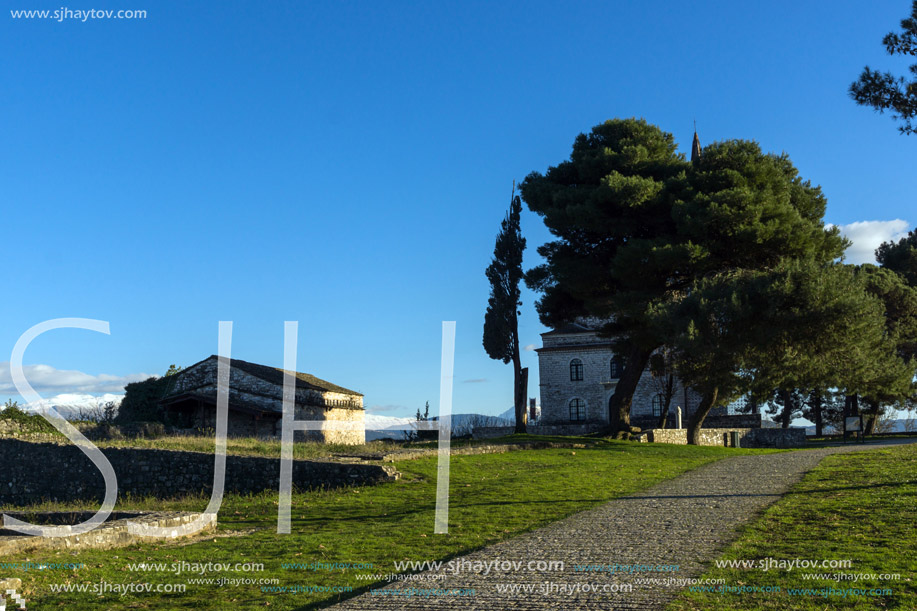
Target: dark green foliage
(892, 382)
(617, 251)
(109, 411)
(801, 325)
(141, 399)
(610, 208)
(787, 406)
(639, 227)
(416, 435)
(744, 209)
(824, 409)
(900, 302)
(501, 320)
(900, 257)
(504, 274)
(884, 91)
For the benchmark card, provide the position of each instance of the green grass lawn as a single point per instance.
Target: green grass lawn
(493, 497)
(249, 446)
(860, 507)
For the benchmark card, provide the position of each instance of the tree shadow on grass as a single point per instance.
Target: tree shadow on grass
(430, 509)
(774, 494)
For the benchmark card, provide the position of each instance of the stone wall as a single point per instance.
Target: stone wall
(712, 421)
(112, 533)
(13, 429)
(490, 432)
(734, 421)
(32, 472)
(748, 437)
(712, 433)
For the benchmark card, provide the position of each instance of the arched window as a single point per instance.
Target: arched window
(576, 370)
(658, 402)
(577, 410)
(617, 366)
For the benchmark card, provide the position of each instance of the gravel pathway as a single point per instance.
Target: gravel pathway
(686, 521)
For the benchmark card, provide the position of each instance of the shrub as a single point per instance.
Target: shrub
(28, 423)
(141, 399)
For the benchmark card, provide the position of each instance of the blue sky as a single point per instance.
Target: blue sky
(347, 164)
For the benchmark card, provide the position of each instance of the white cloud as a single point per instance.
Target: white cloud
(474, 381)
(868, 235)
(529, 347)
(47, 379)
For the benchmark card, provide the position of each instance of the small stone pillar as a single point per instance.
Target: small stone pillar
(678, 417)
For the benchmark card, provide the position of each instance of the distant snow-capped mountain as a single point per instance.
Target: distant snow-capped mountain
(74, 405)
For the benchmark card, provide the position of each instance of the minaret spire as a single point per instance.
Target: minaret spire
(695, 146)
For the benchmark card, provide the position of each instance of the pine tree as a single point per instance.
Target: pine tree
(900, 257)
(501, 320)
(885, 91)
(800, 325)
(637, 226)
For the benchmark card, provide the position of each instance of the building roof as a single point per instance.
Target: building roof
(274, 375)
(569, 329)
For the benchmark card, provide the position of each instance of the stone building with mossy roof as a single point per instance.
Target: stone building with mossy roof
(256, 402)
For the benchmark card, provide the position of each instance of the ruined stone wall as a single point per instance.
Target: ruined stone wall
(32, 472)
(490, 432)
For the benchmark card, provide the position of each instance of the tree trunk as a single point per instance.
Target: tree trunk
(521, 396)
(520, 380)
(620, 402)
(667, 403)
(872, 416)
(817, 412)
(708, 400)
(787, 409)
